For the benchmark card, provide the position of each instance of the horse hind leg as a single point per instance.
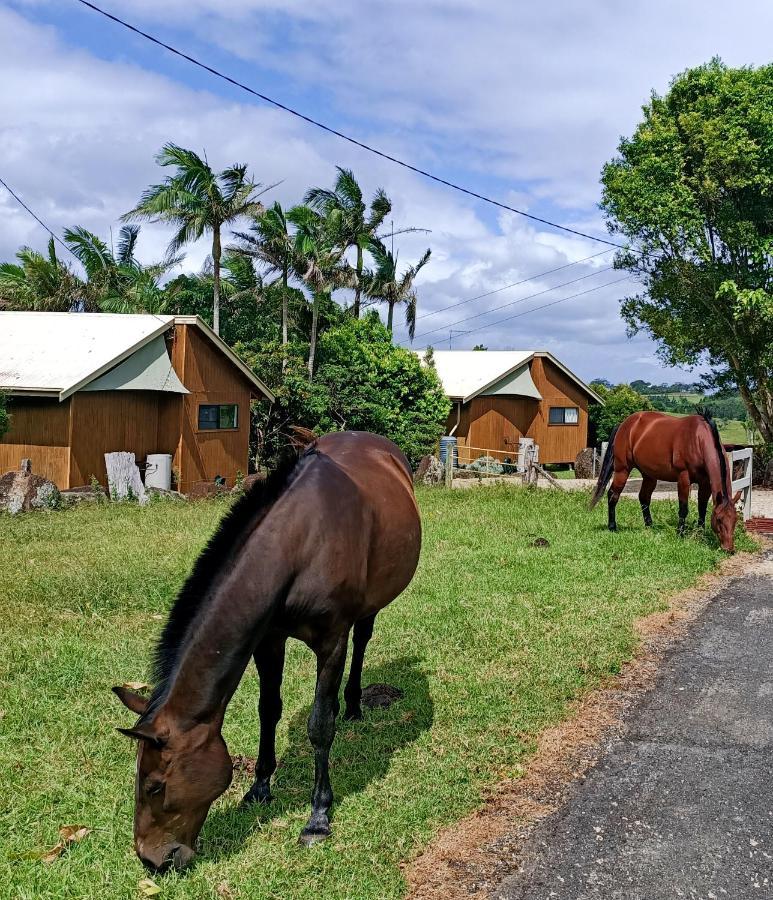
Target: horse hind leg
(269, 661)
(613, 495)
(363, 631)
(322, 726)
(645, 496)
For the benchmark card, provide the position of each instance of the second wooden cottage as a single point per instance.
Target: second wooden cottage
(501, 396)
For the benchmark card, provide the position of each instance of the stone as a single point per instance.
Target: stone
(23, 491)
(431, 472)
(583, 464)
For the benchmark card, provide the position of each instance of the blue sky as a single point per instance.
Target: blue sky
(523, 102)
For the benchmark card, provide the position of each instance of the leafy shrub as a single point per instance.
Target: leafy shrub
(487, 464)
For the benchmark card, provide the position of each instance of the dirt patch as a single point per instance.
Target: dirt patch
(468, 859)
(380, 696)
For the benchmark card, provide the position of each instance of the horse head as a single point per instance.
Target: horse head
(181, 771)
(724, 517)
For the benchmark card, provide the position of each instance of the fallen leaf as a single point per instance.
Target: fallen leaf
(136, 686)
(68, 834)
(149, 888)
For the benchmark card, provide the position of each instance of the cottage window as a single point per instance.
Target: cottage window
(564, 415)
(216, 416)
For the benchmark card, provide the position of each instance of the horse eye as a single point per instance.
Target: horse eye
(154, 787)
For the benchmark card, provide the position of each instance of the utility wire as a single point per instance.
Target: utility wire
(294, 112)
(36, 217)
(515, 302)
(514, 284)
(545, 305)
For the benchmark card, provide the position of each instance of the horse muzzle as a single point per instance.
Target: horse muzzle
(167, 856)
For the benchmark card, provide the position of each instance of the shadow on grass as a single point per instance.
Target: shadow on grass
(361, 754)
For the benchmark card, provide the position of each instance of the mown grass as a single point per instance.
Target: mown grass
(490, 642)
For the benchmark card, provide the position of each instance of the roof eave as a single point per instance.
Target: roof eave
(485, 387)
(578, 381)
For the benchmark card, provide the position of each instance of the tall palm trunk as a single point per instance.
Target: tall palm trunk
(313, 337)
(358, 287)
(216, 253)
(285, 316)
(390, 315)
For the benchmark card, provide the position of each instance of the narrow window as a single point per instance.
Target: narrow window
(216, 416)
(563, 415)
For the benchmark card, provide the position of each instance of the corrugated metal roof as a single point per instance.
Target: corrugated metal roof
(55, 353)
(467, 373)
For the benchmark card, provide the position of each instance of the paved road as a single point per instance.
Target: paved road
(682, 805)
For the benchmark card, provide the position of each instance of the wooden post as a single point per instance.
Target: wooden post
(449, 468)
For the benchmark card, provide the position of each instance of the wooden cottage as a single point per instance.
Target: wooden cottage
(84, 384)
(501, 396)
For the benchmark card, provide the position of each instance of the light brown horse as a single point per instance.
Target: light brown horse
(314, 553)
(686, 450)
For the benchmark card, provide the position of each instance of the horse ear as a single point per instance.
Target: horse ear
(135, 702)
(737, 497)
(142, 733)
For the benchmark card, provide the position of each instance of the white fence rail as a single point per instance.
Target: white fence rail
(744, 483)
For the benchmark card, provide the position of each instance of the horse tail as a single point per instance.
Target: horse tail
(607, 467)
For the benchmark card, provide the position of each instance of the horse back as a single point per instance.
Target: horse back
(661, 446)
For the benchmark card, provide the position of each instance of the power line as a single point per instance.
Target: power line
(345, 137)
(516, 302)
(546, 305)
(514, 284)
(34, 215)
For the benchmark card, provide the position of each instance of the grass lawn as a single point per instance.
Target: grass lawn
(489, 643)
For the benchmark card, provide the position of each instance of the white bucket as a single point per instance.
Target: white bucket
(158, 472)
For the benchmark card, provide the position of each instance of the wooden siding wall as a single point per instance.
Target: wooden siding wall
(40, 430)
(210, 379)
(108, 421)
(496, 423)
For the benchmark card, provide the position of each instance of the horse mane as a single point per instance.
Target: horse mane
(232, 533)
(705, 414)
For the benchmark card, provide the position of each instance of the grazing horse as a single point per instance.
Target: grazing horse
(686, 450)
(314, 552)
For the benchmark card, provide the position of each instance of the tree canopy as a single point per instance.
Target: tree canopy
(5, 419)
(620, 402)
(692, 190)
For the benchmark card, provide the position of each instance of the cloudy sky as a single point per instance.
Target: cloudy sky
(521, 101)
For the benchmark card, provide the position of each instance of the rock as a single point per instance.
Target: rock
(583, 464)
(247, 482)
(430, 471)
(157, 493)
(202, 490)
(23, 490)
(84, 494)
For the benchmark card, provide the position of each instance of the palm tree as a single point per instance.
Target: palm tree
(385, 286)
(358, 225)
(271, 243)
(117, 281)
(318, 261)
(41, 282)
(196, 200)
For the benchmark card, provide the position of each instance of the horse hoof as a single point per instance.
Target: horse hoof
(613, 527)
(258, 795)
(353, 715)
(314, 835)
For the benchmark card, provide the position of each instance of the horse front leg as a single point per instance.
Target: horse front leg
(645, 495)
(363, 631)
(683, 490)
(704, 492)
(331, 658)
(613, 495)
(269, 661)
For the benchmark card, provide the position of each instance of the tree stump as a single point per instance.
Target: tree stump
(123, 478)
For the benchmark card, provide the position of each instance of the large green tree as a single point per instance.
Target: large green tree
(620, 402)
(198, 201)
(692, 191)
(386, 285)
(357, 223)
(5, 418)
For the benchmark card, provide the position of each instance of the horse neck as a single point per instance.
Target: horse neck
(221, 641)
(714, 468)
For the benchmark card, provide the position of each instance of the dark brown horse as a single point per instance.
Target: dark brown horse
(686, 450)
(313, 553)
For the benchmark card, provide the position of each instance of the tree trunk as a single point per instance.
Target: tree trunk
(313, 337)
(762, 421)
(358, 287)
(390, 315)
(216, 252)
(285, 317)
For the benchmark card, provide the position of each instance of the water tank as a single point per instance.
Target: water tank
(445, 444)
(158, 472)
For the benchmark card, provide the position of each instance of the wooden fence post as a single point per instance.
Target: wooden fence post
(449, 467)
